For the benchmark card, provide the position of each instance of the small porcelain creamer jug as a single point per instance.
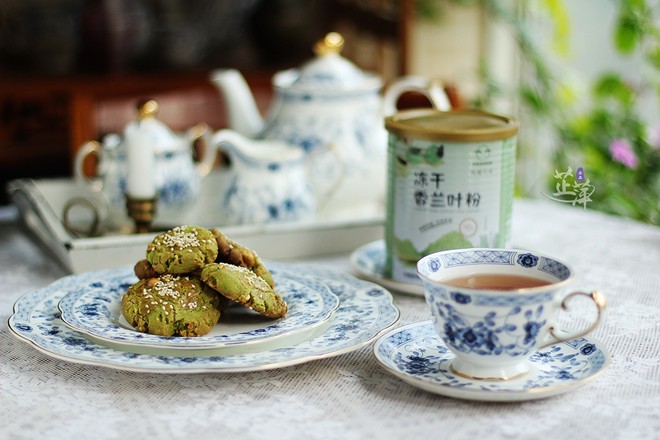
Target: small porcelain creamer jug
(271, 181)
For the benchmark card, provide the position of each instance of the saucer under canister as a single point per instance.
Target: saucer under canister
(416, 354)
(368, 261)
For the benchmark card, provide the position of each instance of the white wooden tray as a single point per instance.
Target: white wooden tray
(41, 204)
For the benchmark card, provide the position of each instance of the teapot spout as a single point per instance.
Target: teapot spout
(244, 116)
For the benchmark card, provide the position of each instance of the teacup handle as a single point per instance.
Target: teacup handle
(599, 300)
(88, 148)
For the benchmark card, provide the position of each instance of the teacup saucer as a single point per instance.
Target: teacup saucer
(369, 262)
(417, 355)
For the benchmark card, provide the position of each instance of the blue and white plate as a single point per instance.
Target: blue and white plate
(95, 310)
(369, 262)
(365, 311)
(416, 354)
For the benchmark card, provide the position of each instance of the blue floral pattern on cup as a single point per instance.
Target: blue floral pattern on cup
(491, 331)
(527, 260)
(434, 264)
(460, 298)
(479, 256)
(492, 334)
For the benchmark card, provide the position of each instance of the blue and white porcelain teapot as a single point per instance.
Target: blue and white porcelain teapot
(327, 103)
(177, 176)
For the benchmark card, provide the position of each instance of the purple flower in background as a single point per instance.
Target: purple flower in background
(622, 152)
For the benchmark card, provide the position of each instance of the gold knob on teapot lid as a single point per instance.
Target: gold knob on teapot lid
(332, 43)
(147, 108)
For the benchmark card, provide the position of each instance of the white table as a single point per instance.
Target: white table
(351, 396)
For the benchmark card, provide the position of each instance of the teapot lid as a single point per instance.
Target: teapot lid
(327, 71)
(161, 135)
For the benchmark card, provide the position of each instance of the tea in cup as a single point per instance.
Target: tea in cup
(493, 308)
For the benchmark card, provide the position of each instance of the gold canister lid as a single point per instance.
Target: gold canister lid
(456, 125)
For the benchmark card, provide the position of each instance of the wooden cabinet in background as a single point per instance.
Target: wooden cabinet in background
(43, 121)
(45, 118)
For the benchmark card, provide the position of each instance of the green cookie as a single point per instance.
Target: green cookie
(182, 250)
(171, 305)
(232, 252)
(244, 286)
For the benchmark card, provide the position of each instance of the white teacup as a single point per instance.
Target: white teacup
(493, 308)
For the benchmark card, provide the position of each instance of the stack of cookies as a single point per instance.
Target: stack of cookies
(190, 276)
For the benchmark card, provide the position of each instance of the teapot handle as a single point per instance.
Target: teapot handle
(87, 149)
(202, 132)
(432, 89)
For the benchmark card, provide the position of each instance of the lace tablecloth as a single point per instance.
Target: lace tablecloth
(350, 396)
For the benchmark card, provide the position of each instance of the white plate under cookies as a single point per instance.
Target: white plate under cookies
(95, 310)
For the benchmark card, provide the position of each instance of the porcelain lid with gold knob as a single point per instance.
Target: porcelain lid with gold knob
(328, 71)
(161, 136)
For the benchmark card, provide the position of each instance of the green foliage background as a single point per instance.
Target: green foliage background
(584, 135)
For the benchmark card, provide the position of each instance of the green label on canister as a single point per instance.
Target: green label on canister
(450, 185)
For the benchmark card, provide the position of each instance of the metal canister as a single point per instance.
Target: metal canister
(450, 184)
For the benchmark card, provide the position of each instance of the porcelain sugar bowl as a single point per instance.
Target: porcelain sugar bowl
(176, 175)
